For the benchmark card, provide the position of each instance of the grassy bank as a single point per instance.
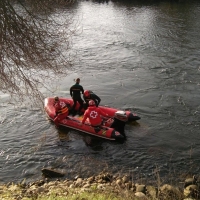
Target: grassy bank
(102, 187)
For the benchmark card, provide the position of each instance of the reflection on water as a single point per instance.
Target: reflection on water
(63, 135)
(135, 56)
(94, 143)
(66, 135)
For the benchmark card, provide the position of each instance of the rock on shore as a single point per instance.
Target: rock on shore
(120, 187)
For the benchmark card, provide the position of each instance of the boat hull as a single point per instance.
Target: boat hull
(74, 122)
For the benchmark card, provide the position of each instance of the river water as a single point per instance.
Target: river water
(142, 57)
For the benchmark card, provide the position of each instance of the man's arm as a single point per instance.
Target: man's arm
(82, 90)
(98, 100)
(103, 113)
(71, 91)
(84, 118)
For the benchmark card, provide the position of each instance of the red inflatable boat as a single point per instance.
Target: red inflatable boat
(111, 129)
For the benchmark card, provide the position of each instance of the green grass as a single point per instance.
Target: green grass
(94, 195)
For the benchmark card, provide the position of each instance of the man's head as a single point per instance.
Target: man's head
(56, 99)
(86, 93)
(91, 103)
(78, 80)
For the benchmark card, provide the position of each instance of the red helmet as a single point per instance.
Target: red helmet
(91, 103)
(86, 93)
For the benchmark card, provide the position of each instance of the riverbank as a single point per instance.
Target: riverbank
(104, 186)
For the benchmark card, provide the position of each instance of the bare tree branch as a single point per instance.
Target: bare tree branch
(31, 45)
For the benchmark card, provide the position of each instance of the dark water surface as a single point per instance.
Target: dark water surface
(145, 58)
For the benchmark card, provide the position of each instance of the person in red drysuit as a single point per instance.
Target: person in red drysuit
(93, 113)
(61, 110)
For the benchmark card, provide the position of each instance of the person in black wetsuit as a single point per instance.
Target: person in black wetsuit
(75, 92)
(89, 95)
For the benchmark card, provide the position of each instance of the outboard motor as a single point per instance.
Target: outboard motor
(133, 117)
(120, 120)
